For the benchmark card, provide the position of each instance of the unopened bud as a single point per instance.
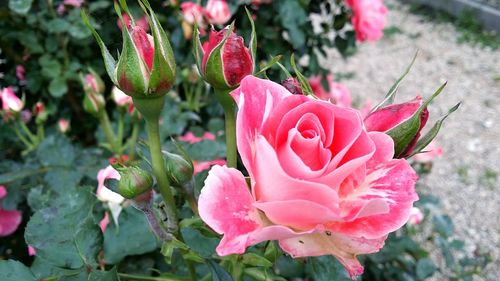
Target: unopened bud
(292, 85)
(179, 169)
(134, 181)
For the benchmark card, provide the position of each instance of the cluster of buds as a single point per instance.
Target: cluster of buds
(404, 123)
(224, 60)
(216, 12)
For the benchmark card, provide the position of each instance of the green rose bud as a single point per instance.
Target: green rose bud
(134, 181)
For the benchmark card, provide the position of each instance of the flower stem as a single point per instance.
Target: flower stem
(230, 120)
(133, 140)
(23, 139)
(108, 133)
(119, 137)
(27, 131)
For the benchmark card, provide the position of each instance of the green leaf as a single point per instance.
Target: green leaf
(65, 233)
(425, 268)
(253, 259)
(326, 268)
(274, 60)
(133, 236)
(50, 150)
(11, 270)
(198, 50)
(20, 6)
(304, 82)
(58, 87)
(425, 140)
(98, 275)
(391, 94)
(443, 225)
(62, 180)
(293, 17)
(199, 243)
(218, 273)
(109, 61)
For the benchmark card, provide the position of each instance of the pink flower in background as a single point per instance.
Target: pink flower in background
(120, 98)
(10, 102)
(112, 199)
(368, 19)
(191, 138)
(338, 94)
(9, 219)
(416, 216)
(204, 165)
(431, 151)
(20, 73)
(31, 251)
(103, 224)
(141, 22)
(217, 12)
(63, 125)
(192, 13)
(261, 2)
(320, 183)
(73, 3)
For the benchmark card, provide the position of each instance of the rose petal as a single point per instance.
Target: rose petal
(344, 248)
(9, 221)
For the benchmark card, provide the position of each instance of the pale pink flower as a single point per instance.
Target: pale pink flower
(430, 152)
(416, 216)
(142, 22)
(192, 13)
(191, 138)
(120, 98)
(368, 19)
(31, 251)
(63, 125)
(20, 73)
(103, 224)
(112, 199)
(205, 165)
(10, 102)
(9, 219)
(338, 94)
(217, 12)
(320, 184)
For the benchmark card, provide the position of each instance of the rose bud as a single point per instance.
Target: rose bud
(394, 120)
(292, 85)
(224, 60)
(40, 112)
(146, 66)
(179, 169)
(63, 125)
(217, 12)
(10, 102)
(416, 216)
(133, 181)
(120, 98)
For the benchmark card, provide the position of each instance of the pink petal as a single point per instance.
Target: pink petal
(392, 115)
(201, 166)
(9, 221)
(3, 191)
(256, 98)
(344, 248)
(31, 251)
(226, 205)
(388, 193)
(103, 224)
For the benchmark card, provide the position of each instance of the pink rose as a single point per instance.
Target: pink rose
(191, 138)
(63, 125)
(10, 102)
(20, 73)
(368, 19)
(217, 12)
(9, 219)
(416, 216)
(320, 183)
(192, 13)
(120, 98)
(431, 151)
(338, 94)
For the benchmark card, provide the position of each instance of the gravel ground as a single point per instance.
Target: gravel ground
(466, 177)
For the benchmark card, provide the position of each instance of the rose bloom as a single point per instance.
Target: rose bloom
(217, 12)
(320, 184)
(368, 19)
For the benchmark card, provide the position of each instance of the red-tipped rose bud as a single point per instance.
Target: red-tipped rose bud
(224, 59)
(40, 113)
(134, 181)
(292, 85)
(395, 120)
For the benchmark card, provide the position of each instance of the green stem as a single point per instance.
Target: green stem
(27, 131)
(119, 138)
(189, 264)
(230, 120)
(133, 140)
(23, 139)
(108, 132)
(40, 132)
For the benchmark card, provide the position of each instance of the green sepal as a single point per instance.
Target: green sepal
(253, 38)
(253, 259)
(198, 50)
(131, 71)
(304, 83)
(405, 132)
(214, 68)
(167, 250)
(391, 94)
(425, 140)
(124, 6)
(109, 61)
(274, 60)
(162, 75)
